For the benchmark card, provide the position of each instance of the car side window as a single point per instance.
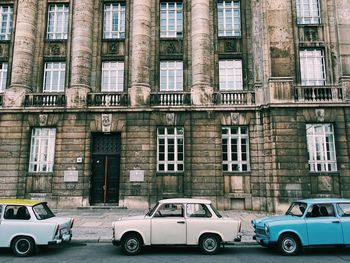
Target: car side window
(344, 209)
(320, 210)
(197, 210)
(170, 210)
(16, 212)
(0, 211)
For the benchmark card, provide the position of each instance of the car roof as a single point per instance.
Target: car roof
(20, 202)
(185, 200)
(325, 200)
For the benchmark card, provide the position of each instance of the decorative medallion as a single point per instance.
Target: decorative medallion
(43, 119)
(106, 120)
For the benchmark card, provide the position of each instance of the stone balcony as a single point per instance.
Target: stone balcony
(239, 97)
(45, 100)
(170, 99)
(326, 93)
(107, 99)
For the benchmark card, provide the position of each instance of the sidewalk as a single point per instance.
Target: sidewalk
(95, 225)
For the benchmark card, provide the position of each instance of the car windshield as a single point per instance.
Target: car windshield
(151, 211)
(296, 209)
(42, 211)
(215, 211)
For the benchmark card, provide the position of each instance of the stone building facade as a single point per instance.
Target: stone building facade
(126, 102)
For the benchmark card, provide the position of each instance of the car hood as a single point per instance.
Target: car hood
(260, 222)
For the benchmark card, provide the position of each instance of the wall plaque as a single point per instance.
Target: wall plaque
(70, 176)
(137, 176)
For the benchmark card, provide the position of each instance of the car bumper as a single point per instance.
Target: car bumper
(63, 238)
(116, 242)
(264, 241)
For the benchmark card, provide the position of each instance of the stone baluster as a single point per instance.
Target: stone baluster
(23, 53)
(139, 91)
(201, 58)
(81, 53)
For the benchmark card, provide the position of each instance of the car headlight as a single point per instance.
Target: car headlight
(253, 223)
(267, 230)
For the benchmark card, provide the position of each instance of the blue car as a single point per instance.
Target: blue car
(309, 222)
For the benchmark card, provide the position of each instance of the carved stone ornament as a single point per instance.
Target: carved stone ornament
(43, 119)
(106, 120)
(235, 118)
(319, 115)
(170, 118)
(55, 49)
(171, 48)
(113, 48)
(229, 46)
(1, 51)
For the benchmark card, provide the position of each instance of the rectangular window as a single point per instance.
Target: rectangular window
(42, 150)
(58, 18)
(112, 77)
(230, 75)
(312, 67)
(308, 12)
(3, 76)
(54, 76)
(321, 147)
(6, 13)
(235, 149)
(171, 19)
(170, 149)
(229, 18)
(171, 76)
(114, 21)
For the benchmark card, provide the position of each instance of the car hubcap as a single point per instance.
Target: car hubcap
(132, 244)
(23, 246)
(289, 245)
(210, 244)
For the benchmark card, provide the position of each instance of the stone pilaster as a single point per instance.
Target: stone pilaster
(139, 92)
(23, 54)
(200, 32)
(81, 53)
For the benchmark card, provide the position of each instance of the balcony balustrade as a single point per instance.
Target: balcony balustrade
(170, 99)
(45, 100)
(107, 99)
(327, 93)
(239, 97)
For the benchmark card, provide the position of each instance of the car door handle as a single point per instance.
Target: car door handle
(181, 222)
(336, 222)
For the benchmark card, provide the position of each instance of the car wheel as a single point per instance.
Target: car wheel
(23, 246)
(289, 244)
(209, 244)
(131, 244)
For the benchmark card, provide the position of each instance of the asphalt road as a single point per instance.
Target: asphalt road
(106, 253)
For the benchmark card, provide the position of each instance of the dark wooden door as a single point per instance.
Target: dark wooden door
(105, 169)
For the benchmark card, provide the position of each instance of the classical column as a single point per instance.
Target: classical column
(201, 57)
(81, 53)
(139, 91)
(23, 53)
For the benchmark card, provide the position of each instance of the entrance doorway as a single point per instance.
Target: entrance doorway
(105, 168)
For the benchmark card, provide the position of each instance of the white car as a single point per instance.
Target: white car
(25, 224)
(178, 221)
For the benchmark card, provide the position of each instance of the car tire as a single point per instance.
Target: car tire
(131, 244)
(23, 246)
(209, 244)
(289, 244)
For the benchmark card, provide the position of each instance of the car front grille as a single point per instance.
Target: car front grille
(260, 231)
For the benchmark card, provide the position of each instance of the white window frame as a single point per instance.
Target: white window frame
(242, 161)
(114, 11)
(42, 150)
(3, 76)
(321, 147)
(6, 14)
(229, 18)
(112, 76)
(52, 84)
(171, 76)
(58, 17)
(312, 67)
(164, 162)
(308, 12)
(170, 10)
(230, 74)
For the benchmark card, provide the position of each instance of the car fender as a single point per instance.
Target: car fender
(206, 232)
(21, 234)
(144, 236)
(293, 231)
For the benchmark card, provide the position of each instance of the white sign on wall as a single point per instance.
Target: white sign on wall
(137, 175)
(70, 176)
